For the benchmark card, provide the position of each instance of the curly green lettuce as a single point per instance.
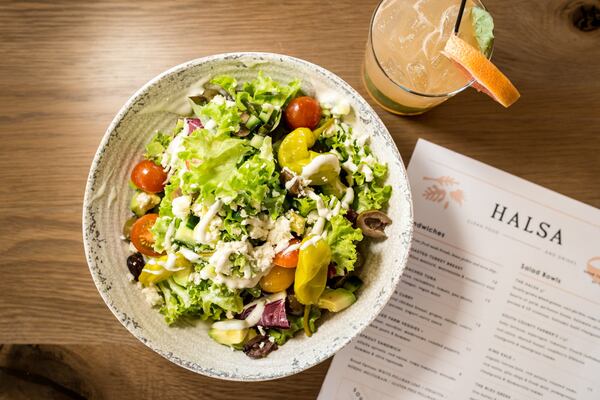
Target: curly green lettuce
(205, 300)
(342, 240)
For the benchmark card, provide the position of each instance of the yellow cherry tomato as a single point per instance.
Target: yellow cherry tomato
(277, 279)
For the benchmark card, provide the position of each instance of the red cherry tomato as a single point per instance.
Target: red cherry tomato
(149, 177)
(141, 237)
(287, 259)
(303, 112)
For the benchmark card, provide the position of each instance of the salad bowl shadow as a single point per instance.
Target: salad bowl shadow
(156, 106)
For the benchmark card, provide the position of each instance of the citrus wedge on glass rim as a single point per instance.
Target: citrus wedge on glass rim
(488, 78)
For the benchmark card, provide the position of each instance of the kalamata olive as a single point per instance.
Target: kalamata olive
(259, 347)
(293, 306)
(372, 223)
(351, 216)
(295, 188)
(135, 263)
(242, 132)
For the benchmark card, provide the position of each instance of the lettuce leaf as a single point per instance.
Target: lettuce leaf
(263, 89)
(341, 240)
(159, 231)
(256, 182)
(213, 158)
(157, 146)
(371, 196)
(224, 113)
(206, 300)
(304, 205)
(296, 324)
(226, 82)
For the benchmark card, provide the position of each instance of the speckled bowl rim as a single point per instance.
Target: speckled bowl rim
(87, 228)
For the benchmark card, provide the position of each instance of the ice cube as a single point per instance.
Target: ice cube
(448, 20)
(418, 76)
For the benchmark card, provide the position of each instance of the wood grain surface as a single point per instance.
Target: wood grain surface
(67, 67)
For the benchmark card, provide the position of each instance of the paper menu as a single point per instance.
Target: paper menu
(500, 298)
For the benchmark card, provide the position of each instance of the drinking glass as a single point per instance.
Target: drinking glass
(404, 70)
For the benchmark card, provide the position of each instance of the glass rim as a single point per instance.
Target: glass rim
(405, 88)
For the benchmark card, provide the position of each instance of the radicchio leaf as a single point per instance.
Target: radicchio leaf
(193, 124)
(274, 315)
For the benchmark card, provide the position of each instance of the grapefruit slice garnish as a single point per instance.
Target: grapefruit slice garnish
(487, 76)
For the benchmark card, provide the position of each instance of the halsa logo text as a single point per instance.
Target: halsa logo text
(526, 223)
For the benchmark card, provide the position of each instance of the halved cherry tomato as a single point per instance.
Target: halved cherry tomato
(141, 237)
(277, 279)
(287, 259)
(303, 112)
(149, 177)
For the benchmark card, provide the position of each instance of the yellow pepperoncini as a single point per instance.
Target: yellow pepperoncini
(311, 275)
(295, 154)
(294, 151)
(154, 270)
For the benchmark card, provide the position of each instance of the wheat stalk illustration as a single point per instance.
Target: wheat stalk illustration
(443, 180)
(458, 196)
(434, 193)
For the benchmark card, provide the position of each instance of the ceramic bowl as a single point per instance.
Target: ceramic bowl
(156, 106)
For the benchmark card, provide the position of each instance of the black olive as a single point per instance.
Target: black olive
(351, 216)
(293, 306)
(135, 263)
(259, 347)
(372, 223)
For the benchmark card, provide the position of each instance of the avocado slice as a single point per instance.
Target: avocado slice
(185, 235)
(228, 337)
(336, 300)
(142, 202)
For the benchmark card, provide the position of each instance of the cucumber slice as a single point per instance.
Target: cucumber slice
(182, 277)
(185, 235)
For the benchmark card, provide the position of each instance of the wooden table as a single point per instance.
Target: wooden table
(67, 67)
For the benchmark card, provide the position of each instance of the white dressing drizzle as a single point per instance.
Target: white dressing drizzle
(201, 230)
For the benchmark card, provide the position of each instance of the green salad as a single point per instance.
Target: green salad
(248, 213)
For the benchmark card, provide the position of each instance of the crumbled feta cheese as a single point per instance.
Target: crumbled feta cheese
(366, 171)
(349, 166)
(259, 226)
(312, 217)
(181, 206)
(261, 345)
(229, 315)
(261, 330)
(271, 339)
(218, 99)
(195, 278)
(280, 234)
(152, 296)
(143, 199)
(341, 108)
(220, 258)
(229, 103)
(264, 256)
